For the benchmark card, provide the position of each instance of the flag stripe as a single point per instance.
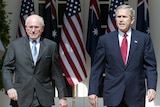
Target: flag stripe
(77, 30)
(72, 44)
(27, 8)
(21, 25)
(67, 75)
(71, 50)
(66, 62)
(111, 25)
(54, 13)
(21, 29)
(96, 7)
(70, 61)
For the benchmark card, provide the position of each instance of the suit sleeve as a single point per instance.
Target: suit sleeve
(97, 68)
(150, 65)
(57, 75)
(8, 68)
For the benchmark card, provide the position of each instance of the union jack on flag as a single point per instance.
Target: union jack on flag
(143, 16)
(50, 20)
(94, 28)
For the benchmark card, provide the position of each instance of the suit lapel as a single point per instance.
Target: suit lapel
(26, 47)
(117, 47)
(41, 49)
(133, 45)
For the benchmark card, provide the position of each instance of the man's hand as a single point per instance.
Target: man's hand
(151, 93)
(93, 99)
(12, 93)
(63, 102)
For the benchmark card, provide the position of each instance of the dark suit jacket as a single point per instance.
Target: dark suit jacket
(122, 80)
(28, 76)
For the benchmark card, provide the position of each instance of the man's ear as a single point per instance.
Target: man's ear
(133, 19)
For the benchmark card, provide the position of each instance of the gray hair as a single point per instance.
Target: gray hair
(125, 6)
(34, 15)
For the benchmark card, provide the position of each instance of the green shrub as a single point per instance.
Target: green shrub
(4, 34)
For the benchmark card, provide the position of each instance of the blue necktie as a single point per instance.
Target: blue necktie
(34, 51)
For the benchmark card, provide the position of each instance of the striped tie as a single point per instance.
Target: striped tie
(34, 51)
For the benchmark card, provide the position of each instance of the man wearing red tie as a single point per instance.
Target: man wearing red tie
(127, 57)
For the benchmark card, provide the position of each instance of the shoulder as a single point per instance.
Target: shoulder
(141, 36)
(109, 35)
(137, 32)
(19, 40)
(48, 41)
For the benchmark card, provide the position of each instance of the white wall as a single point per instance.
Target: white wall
(155, 27)
(81, 90)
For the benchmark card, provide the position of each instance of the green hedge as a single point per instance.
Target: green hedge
(4, 33)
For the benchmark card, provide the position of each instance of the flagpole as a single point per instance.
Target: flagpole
(73, 95)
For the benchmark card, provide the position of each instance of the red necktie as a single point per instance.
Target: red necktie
(124, 47)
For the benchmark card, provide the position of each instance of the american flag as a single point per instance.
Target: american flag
(94, 28)
(111, 26)
(27, 8)
(50, 20)
(71, 50)
(143, 16)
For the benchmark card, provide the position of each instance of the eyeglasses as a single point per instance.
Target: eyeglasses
(31, 27)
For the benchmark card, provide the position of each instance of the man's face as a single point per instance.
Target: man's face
(124, 20)
(34, 28)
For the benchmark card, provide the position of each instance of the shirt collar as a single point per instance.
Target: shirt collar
(37, 40)
(122, 33)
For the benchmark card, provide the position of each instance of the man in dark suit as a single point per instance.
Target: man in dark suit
(125, 74)
(27, 81)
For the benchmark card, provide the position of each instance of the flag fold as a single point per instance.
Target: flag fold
(71, 46)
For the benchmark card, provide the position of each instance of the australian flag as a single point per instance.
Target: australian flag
(50, 20)
(143, 16)
(94, 27)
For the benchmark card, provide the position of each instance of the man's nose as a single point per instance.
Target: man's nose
(33, 29)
